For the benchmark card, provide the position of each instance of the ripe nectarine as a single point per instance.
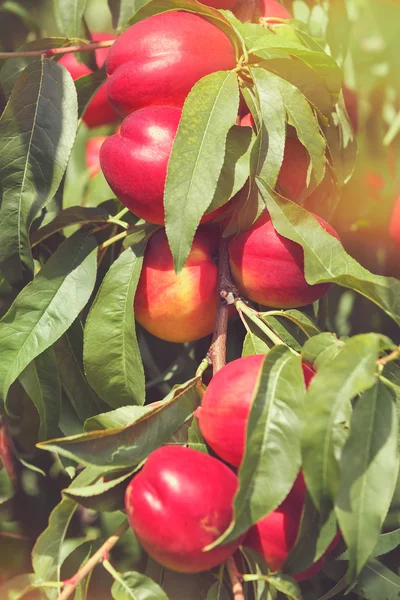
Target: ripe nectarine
(99, 111)
(179, 503)
(157, 61)
(227, 400)
(269, 268)
(178, 308)
(270, 9)
(93, 146)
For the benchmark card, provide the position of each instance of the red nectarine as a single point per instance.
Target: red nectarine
(93, 146)
(227, 400)
(99, 111)
(269, 268)
(394, 227)
(179, 503)
(270, 9)
(177, 308)
(157, 61)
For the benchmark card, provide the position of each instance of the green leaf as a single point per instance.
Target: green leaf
(236, 168)
(303, 321)
(47, 552)
(197, 158)
(321, 349)
(325, 258)
(37, 131)
(102, 496)
(283, 329)
(285, 585)
(20, 586)
(369, 467)
(328, 410)
(341, 141)
(69, 350)
(119, 418)
(113, 363)
(254, 345)
(74, 215)
(135, 586)
(272, 441)
(41, 382)
(271, 135)
(387, 542)
(122, 11)
(69, 14)
(128, 446)
(47, 306)
(377, 581)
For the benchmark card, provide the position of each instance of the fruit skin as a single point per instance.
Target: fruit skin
(269, 268)
(177, 308)
(180, 502)
(93, 146)
(274, 536)
(141, 150)
(157, 61)
(271, 8)
(228, 400)
(99, 111)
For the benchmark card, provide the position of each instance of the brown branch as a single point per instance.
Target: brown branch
(395, 355)
(54, 51)
(97, 558)
(227, 293)
(234, 576)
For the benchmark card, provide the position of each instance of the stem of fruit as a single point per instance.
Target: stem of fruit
(99, 557)
(121, 214)
(389, 358)
(237, 587)
(54, 51)
(227, 292)
(113, 239)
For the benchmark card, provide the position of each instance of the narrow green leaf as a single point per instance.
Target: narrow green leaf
(129, 446)
(47, 306)
(321, 349)
(41, 382)
(37, 131)
(285, 585)
(113, 363)
(341, 141)
(74, 215)
(272, 441)
(47, 552)
(253, 345)
(122, 11)
(325, 258)
(387, 542)
(377, 581)
(328, 411)
(369, 467)
(69, 14)
(197, 158)
(303, 321)
(135, 586)
(272, 125)
(69, 351)
(18, 587)
(102, 496)
(284, 330)
(119, 418)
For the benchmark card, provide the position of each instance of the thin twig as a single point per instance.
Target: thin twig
(102, 554)
(389, 358)
(227, 293)
(48, 53)
(234, 576)
(113, 239)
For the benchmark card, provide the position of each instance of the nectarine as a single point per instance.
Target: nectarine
(99, 111)
(394, 227)
(226, 405)
(93, 146)
(292, 178)
(179, 503)
(270, 9)
(269, 268)
(178, 308)
(157, 61)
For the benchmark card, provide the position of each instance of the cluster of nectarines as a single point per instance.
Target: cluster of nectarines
(182, 500)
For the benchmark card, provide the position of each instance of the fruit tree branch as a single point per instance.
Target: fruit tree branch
(54, 51)
(97, 558)
(237, 587)
(227, 293)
